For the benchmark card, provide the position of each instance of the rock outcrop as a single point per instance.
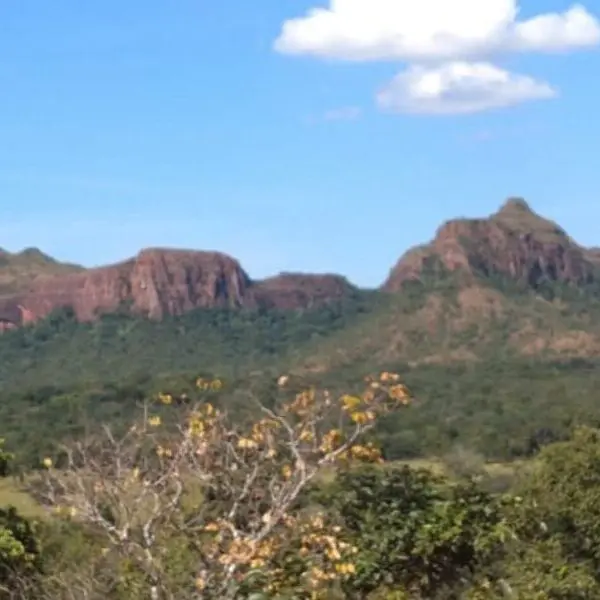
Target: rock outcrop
(159, 282)
(295, 290)
(154, 283)
(515, 242)
(13, 315)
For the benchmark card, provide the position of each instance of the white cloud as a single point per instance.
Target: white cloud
(432, 30)
(459, 88)
(346, 113)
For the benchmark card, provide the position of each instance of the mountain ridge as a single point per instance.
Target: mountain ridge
(514, 243)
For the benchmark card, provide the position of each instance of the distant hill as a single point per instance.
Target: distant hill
(513, 284)
(18, 270)
(514, 244)
(495, 322)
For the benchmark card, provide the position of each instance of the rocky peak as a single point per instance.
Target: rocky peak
(516, 216)
(515, 205)
(35, 254)
(515, 242)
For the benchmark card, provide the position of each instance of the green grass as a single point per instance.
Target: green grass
(438, 466)
(12, 494)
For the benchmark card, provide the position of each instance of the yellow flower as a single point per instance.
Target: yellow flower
(361, 417)
(47, 462)
(306, 436)
(317, 522)
(350, 402)
(345, 568)
(367, 453)
(286, 471)
(246, 443)
(386, 377)
(400, 392)
(331, 440)
(165, 398)
(196, 426)
(333, 554)
(154, 421)
(160, 451)
(200, 583)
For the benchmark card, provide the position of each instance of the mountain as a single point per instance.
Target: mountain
(455, 287)
(515, 242)
(495, 323)
(512, 284)
(159, 282)
(19, 270)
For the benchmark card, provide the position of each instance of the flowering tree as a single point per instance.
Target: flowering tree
(190, 504)
(19, 550)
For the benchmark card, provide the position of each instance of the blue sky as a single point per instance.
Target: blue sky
(187, 124)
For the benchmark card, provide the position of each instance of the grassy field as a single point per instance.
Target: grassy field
(12, 492)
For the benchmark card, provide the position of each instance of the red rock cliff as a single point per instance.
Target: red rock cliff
(158, 282)
(295, 290)
(514, 242)
(154, 283)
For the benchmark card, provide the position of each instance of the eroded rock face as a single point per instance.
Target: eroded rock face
(14, 315)
(515, 242)
(294, 290)
(154, 283)
(593, 255)
(158, 282)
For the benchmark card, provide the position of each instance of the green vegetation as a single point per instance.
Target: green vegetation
(490, 486)
(61, 352)
(458, 526)
(477, 381)
(19, 269)
(417, 535)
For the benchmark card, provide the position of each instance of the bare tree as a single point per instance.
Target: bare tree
(227, 494)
